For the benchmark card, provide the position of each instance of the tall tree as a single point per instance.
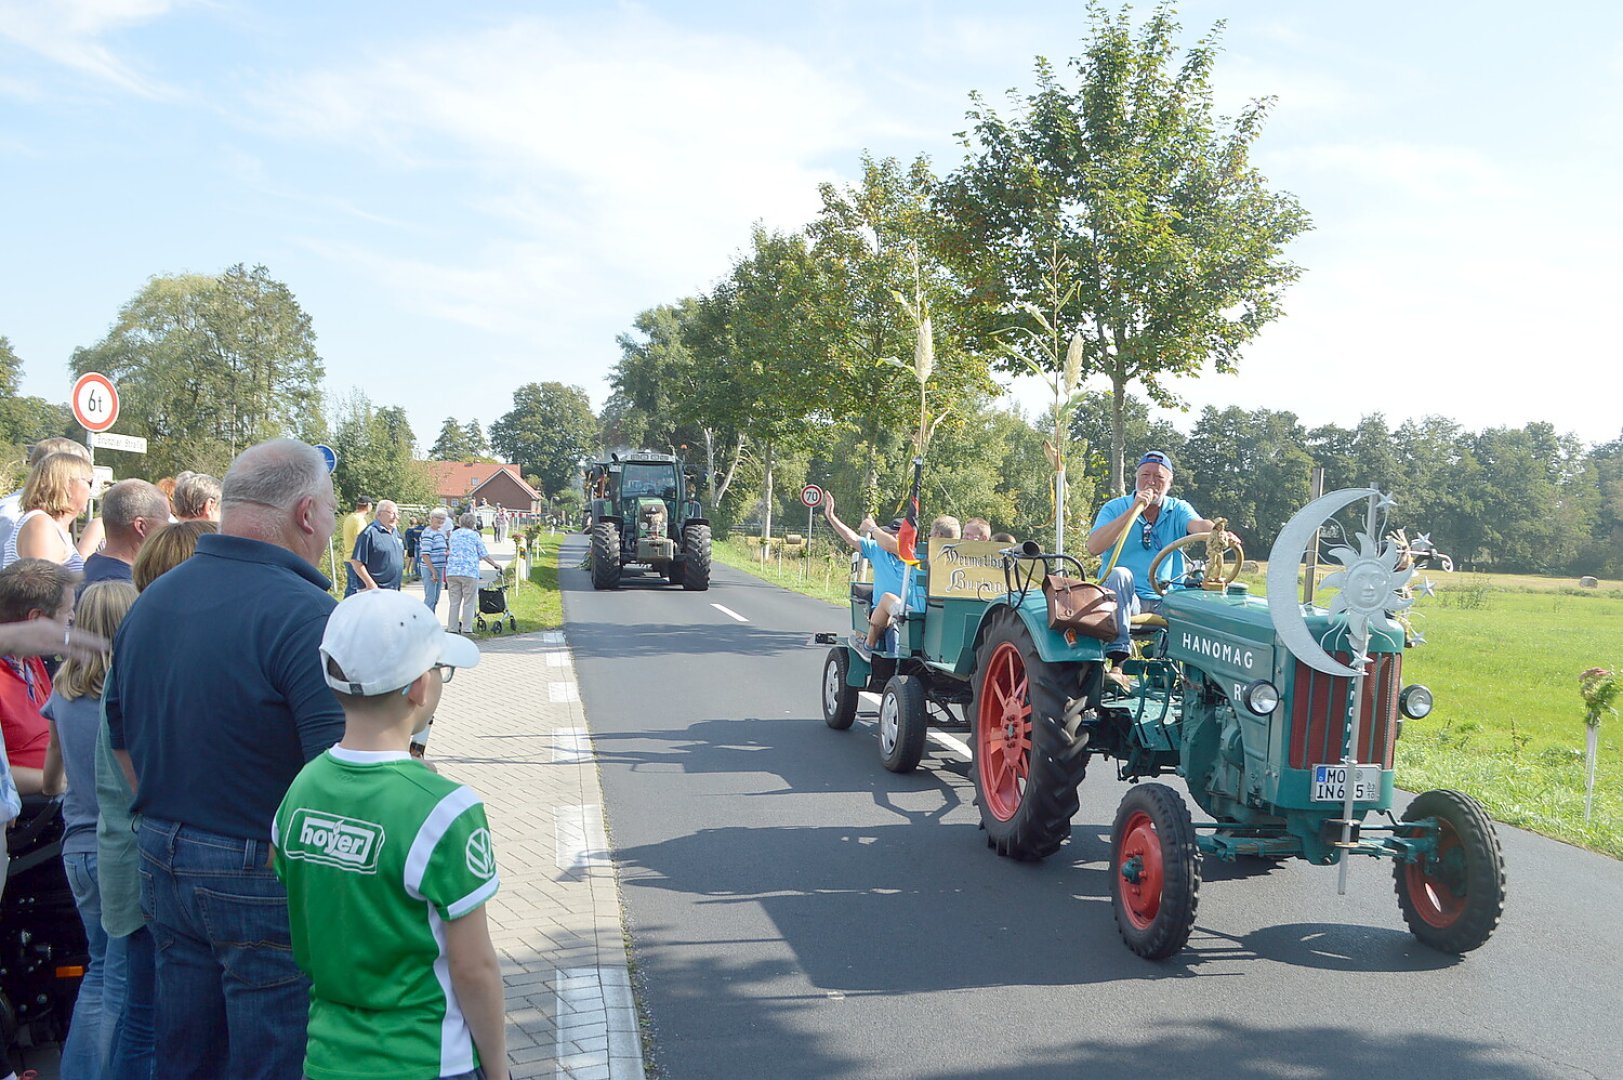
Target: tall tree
(547, 431)
(376, 454)
(24, 419)
(478, 445)
(208, 365)
(452, 444)
(1130, 181)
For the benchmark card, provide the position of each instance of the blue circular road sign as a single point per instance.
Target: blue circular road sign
(329, 454)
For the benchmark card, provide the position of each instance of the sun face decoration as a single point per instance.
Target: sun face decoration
(1372, 588)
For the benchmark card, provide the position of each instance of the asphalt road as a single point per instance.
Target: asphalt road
(797, 911)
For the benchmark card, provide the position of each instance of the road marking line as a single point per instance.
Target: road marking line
(579, 842)
(571, 746)
(552, 637)
(730, 613)
(561, 692)
(951, 742)
(596, 1022)
(559, 659)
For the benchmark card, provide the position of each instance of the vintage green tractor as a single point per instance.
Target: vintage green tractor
(643, 510)
(1281, 718)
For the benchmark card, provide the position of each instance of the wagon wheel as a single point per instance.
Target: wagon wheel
(903, 724)
(1223, 557)
(839, 698)
(1028, 762)
(1452, 902)
(1154, 871)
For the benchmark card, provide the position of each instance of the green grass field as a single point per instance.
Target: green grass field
(1502, 657)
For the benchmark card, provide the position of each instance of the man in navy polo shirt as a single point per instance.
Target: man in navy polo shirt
(378, 561)
(215, 701)
(1162, 520)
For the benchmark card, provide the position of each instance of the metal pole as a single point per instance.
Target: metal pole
(1315, 486)
(1059, 510)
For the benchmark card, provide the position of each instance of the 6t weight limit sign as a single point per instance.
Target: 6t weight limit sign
(95, 401)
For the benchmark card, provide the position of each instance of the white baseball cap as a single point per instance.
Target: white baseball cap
(380, 640)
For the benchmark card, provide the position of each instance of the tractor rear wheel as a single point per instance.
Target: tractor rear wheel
(1452, 903)
(1154, 871)
(696, 548)
(1027, 762)
(839, 698)
(605, 556)
(903, 724)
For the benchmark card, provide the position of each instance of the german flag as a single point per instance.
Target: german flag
(908, 535)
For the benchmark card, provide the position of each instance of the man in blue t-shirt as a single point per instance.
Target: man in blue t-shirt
(879, 547)
(1164, 520)
(378, 561)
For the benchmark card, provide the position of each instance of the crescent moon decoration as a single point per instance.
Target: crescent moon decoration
(1369, 580)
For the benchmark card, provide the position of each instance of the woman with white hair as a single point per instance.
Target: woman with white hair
(462, 571)
(433, 549)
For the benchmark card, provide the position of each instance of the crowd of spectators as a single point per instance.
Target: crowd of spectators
(178, 674)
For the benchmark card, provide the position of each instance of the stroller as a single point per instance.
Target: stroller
(42, 939)
(493, 602)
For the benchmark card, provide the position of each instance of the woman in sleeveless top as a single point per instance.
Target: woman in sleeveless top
(58, 490)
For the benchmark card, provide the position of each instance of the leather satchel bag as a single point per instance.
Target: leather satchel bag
(1081, 607)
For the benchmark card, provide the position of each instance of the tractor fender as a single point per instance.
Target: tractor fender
(605, 510)
(858, 669)
(613, 519)
(695, 521)
(1051, 644)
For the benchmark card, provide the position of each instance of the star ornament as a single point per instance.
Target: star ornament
(1371, 586)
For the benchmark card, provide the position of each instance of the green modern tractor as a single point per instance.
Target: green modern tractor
(643, 510)
(1280, 717)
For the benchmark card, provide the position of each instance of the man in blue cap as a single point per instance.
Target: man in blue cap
(1164, 519)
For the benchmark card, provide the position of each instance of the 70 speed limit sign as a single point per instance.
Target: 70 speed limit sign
(811, 495)
(95, 401)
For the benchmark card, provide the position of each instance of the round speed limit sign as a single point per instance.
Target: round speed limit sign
(811, 494)
(95, 401)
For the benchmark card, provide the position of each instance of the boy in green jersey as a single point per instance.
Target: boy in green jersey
(388, 866)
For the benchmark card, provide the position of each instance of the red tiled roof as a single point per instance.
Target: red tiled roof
(459, 479)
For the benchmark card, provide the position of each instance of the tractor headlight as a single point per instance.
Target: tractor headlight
(1415, 701)
(1261, 697)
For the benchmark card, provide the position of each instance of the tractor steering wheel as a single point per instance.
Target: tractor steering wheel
(1224, 557)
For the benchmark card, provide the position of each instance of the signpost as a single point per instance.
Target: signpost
(330, 456)
(811, 495)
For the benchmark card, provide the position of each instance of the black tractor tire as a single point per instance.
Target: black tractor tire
(904, 721)
(1455, 907)
(605, 556)
(1154, 871)
(1027, 763)
(839, 699)
(696, 545)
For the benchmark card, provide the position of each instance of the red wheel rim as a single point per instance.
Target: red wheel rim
(1434, 897)
(1141, 899)
(1003, 733)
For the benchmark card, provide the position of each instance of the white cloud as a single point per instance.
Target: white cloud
(1427, 173)
(69, 32)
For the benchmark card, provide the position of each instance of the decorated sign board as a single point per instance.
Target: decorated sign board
(966, 569)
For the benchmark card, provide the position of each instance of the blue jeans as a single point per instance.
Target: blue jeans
(431, 584)
(234, 1002)
(1128, 604)
(132, 1042)
(101, 994)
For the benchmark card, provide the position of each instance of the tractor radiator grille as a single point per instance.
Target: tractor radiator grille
(1319, 713)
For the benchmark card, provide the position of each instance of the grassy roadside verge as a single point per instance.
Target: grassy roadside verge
(1502, 657)
(537, 604)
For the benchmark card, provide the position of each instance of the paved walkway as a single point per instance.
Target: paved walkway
(513, 728)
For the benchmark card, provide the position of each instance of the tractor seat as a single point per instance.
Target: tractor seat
(862, 592)
(1147, 624)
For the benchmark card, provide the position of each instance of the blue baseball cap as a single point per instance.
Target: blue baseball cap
(1157, 457)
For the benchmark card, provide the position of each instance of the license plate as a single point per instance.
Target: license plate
(1330, 783)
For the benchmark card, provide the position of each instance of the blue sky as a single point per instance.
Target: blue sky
(469, 196)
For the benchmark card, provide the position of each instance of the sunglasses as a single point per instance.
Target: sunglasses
(1149, 534)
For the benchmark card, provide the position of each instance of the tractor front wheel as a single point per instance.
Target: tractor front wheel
(696, 547)
(1452, 901)
(1028, 764)
(605, 556)
(903, 724)
(1154, 871)
(839, 698)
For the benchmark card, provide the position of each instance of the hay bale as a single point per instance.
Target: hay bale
(1588, 583)
(1250, 566)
